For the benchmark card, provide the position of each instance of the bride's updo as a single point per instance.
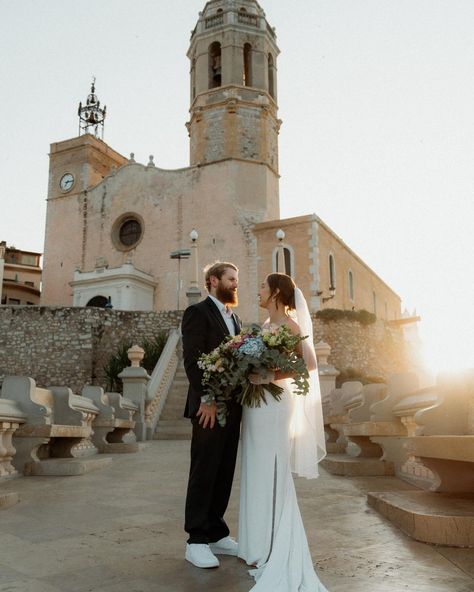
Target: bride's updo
(282, 288)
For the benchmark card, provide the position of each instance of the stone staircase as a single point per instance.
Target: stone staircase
(172, 425)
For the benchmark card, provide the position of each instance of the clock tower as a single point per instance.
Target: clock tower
(75, 166)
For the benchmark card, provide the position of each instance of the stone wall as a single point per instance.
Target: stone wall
(69, 346)
(377, 349)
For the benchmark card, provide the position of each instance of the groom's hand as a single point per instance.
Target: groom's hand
(207, 415)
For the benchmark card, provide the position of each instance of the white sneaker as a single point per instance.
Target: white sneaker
(226, 546)
(200, 555)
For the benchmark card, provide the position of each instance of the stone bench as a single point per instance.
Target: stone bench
(372, 423)
(440, 446)
(114, 424)
(443, 438)
(55, 439)
(11, 417)
(362, 457)
(394, 422)
(342, 402)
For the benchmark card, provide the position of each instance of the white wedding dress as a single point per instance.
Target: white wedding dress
(271, 532)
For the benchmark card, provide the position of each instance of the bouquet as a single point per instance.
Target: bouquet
(226, 368)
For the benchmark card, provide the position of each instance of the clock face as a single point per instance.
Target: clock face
(66, 182)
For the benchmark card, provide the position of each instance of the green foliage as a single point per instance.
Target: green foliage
(349, 374)
(119, 360)
(226, 368)
(364, 317)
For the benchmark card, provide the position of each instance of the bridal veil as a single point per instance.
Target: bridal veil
(307, 426)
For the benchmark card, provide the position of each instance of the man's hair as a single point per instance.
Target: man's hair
(217, 269)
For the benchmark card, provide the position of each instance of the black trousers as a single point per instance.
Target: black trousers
(213, 456)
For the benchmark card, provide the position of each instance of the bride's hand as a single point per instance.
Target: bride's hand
(259, 379)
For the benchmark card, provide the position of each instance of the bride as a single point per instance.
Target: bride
(278, 438)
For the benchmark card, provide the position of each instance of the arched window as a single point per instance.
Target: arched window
(374, 302)
(215, 75)
(271, 77)
(332, 272)
(288, 260)
(351, 285)
(247, 77)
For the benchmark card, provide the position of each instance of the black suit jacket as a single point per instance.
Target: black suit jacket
(203, 329)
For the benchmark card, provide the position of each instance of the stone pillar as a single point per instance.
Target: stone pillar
(327, 372)
(11, 417)
(135, 380)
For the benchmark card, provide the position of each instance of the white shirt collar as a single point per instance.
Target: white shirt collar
(220, 305)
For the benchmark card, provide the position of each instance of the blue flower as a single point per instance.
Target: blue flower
(252, 347)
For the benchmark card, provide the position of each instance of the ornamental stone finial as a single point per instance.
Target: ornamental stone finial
(135, 355)
(323, 350)
(150, 162)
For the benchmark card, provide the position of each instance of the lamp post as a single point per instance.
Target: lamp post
(280, 234)
(179, 254)
(194, 293)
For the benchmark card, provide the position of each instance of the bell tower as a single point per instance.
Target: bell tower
(233, 56)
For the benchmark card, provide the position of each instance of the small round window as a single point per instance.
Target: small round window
(127, 231)
(130, 232)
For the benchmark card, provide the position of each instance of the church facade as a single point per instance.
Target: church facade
(135, 237)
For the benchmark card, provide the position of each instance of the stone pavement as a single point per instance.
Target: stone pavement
(120, 530)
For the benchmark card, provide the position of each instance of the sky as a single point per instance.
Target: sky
(376, 98)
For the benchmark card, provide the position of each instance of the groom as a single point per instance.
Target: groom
(213, 448)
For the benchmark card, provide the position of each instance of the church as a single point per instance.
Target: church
(136, 237)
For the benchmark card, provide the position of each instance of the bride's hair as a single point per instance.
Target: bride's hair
(282, 287)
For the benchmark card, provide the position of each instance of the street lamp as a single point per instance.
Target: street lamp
(194, 293)
(179, 254)
(280, 234)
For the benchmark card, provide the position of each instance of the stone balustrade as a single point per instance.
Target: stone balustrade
(114, 424)
(436, 455)
(11, 417)
(55, 438)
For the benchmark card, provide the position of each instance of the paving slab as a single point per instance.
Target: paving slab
(121, 530)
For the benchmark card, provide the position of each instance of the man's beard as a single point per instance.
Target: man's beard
(227, 295)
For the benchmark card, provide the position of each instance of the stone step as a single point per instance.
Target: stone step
(433, 518)
(178, 414)
(175, 403)
(172, 425)
(175, 393)
(349, 466)
(66, 467)
(182, 431)
(176, 422)
(175, 400)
